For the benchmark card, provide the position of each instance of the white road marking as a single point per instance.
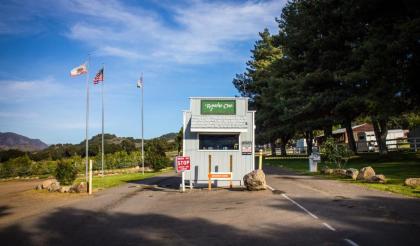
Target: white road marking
(269, 187)
(328, 226)
(352, 243)
(300, 206)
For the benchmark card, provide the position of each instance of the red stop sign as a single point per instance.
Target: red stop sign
(183, 163)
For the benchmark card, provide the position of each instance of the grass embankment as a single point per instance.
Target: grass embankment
(99, 182)
(395, 166)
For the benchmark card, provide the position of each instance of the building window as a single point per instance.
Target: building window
(219, 141)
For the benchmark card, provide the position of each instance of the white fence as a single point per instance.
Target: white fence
(399, 144)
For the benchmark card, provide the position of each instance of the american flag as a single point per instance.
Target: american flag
(99, 77)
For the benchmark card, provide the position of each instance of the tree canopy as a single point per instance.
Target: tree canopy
(331, 62)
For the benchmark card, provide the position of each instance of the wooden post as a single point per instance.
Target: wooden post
(209, 172)
(230, 170)
(261, 159)
(90, 177)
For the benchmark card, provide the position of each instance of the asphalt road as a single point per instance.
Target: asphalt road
(300, 211)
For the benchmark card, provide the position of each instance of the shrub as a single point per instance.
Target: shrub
(20, 166)
(336, 153)
(155, 155)
(66, 172)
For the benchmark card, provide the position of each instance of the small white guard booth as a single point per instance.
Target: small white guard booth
(219, 135)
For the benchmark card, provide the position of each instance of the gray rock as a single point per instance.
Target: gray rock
(339, 172)
(64, 189)
(379, 178)
(78, 188)
(47, 183)
(327, 170)
(54, 187)
(352, 173)
(255, 180)
(366, 174)
(413, 182)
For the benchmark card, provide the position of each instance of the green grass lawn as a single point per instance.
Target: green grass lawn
(99, 182)
(396, 167)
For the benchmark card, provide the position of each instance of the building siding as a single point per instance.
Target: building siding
(242, 164)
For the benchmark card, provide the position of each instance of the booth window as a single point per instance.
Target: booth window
(219, 141)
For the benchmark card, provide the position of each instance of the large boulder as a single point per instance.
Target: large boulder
(379, 178)
(54, 187)
(78, 187)
(339, 172)
(327, 170)
(366, 174)
(255, 180)
(413, 182)
(47, 183)
(352, 173)
(65, 189)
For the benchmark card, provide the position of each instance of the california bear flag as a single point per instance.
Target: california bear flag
(82, 69)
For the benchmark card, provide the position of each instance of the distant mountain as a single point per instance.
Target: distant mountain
(10, 140)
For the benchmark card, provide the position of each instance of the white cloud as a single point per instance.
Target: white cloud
(200, 31)
(21, 90)
(118, 52)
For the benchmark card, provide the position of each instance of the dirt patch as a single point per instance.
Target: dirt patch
(19, 199)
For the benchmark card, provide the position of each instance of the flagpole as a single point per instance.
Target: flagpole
(103, 81)
(87, 117)
(142, 124)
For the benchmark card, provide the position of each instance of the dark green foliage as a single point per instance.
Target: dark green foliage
(155, 155)
(337, 154)
(120, 153)
(20, 166)
(66, 172)
(331, 62)
(178, 140)
(5, 155)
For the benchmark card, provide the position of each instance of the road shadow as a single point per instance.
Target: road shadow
(374, 220)
(68, 226)
(4, 210)
(160, 183)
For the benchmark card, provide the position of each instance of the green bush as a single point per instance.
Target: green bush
(20, 166)
(335, 153)
(66, 172)
(155, 155)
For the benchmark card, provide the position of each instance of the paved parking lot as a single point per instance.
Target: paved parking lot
(300, 211)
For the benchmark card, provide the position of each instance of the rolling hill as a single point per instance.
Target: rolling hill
(10, 140)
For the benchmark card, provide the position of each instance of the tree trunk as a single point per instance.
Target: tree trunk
(381, 131)
(350, 136)
(309, 137)
(283, 149)
(284, 141)
(273, 147)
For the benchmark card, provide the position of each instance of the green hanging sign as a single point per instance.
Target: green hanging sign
(224, 107)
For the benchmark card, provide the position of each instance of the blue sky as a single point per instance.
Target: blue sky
(183, 48)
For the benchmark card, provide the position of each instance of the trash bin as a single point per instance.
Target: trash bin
(314, 158)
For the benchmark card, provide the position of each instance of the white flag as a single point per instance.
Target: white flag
(140, 82)
(82, 69)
